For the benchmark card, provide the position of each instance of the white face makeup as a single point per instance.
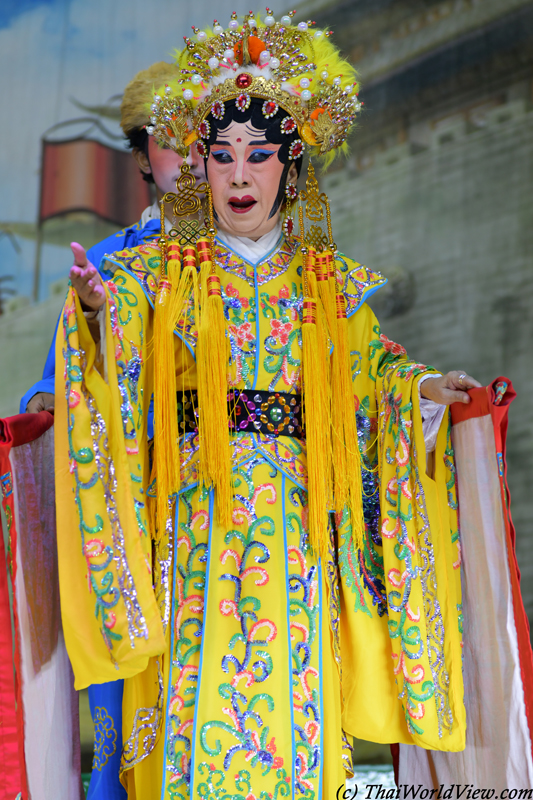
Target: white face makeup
(244, 172)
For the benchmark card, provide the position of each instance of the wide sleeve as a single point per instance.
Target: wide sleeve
(111, 619)
(401, 593)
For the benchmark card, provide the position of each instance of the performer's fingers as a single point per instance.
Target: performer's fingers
(80, 256)
(470, 382)
(457, 396)
(96, 290)
(461, 380)
(81, 276)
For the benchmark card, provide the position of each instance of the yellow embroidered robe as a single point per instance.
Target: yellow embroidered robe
(246, 659)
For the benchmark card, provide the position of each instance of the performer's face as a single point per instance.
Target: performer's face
(165, 166)
(244, 172)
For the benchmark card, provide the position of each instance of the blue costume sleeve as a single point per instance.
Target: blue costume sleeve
(128, 237)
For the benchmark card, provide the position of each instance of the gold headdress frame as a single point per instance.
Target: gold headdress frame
(321, 132)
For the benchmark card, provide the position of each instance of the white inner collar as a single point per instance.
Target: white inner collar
(247, 248)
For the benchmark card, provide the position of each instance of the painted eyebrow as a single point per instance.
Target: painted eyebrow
(226, 144)
(263, 141)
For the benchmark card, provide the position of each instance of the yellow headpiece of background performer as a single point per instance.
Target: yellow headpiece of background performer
(138, 95)
(299, 70)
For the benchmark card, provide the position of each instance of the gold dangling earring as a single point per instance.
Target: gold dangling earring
(291, 195)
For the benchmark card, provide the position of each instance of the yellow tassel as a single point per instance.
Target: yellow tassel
(167, 457)
(215, 455)
(316, 412)
(346, 454)
(326, 292)
(185, 293)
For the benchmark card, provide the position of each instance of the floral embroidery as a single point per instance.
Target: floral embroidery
(392, 347)
(280, 330)
(284, 345)
(187, 613)
(242, 333)
(240, 315)
(304, 609)
(256, 633)
(212, 786)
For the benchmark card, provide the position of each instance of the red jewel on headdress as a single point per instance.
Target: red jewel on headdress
(218, 109)
(204, 129)
(244, 80)
(202, 149)
(288, 125)
(243, 101)
(269, 108)
(296, 149)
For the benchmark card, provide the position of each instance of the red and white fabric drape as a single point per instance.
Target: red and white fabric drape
(39, 725)
(498, 661)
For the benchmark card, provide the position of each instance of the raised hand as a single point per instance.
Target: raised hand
(449, 388)
(42, 401)
(86, 280)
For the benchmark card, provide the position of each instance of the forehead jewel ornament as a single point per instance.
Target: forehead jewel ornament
(291, 67)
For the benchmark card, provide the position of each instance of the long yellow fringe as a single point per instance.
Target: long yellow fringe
(215, 454)
(316, 412)
(346, 453)
(340, 437)
(166, 444)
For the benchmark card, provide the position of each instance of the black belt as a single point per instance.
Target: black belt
(249, 411)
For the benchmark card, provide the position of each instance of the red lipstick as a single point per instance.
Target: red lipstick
(240, 205)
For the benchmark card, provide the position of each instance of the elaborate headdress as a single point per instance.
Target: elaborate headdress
(296, 69)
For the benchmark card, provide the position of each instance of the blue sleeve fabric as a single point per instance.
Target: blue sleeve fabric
(128, 237)
(105, 701)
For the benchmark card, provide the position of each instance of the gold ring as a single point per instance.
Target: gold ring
(461, 378)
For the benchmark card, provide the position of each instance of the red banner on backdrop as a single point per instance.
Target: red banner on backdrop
(86, 175)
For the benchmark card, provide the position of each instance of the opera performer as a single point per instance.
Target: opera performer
(276, 571)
